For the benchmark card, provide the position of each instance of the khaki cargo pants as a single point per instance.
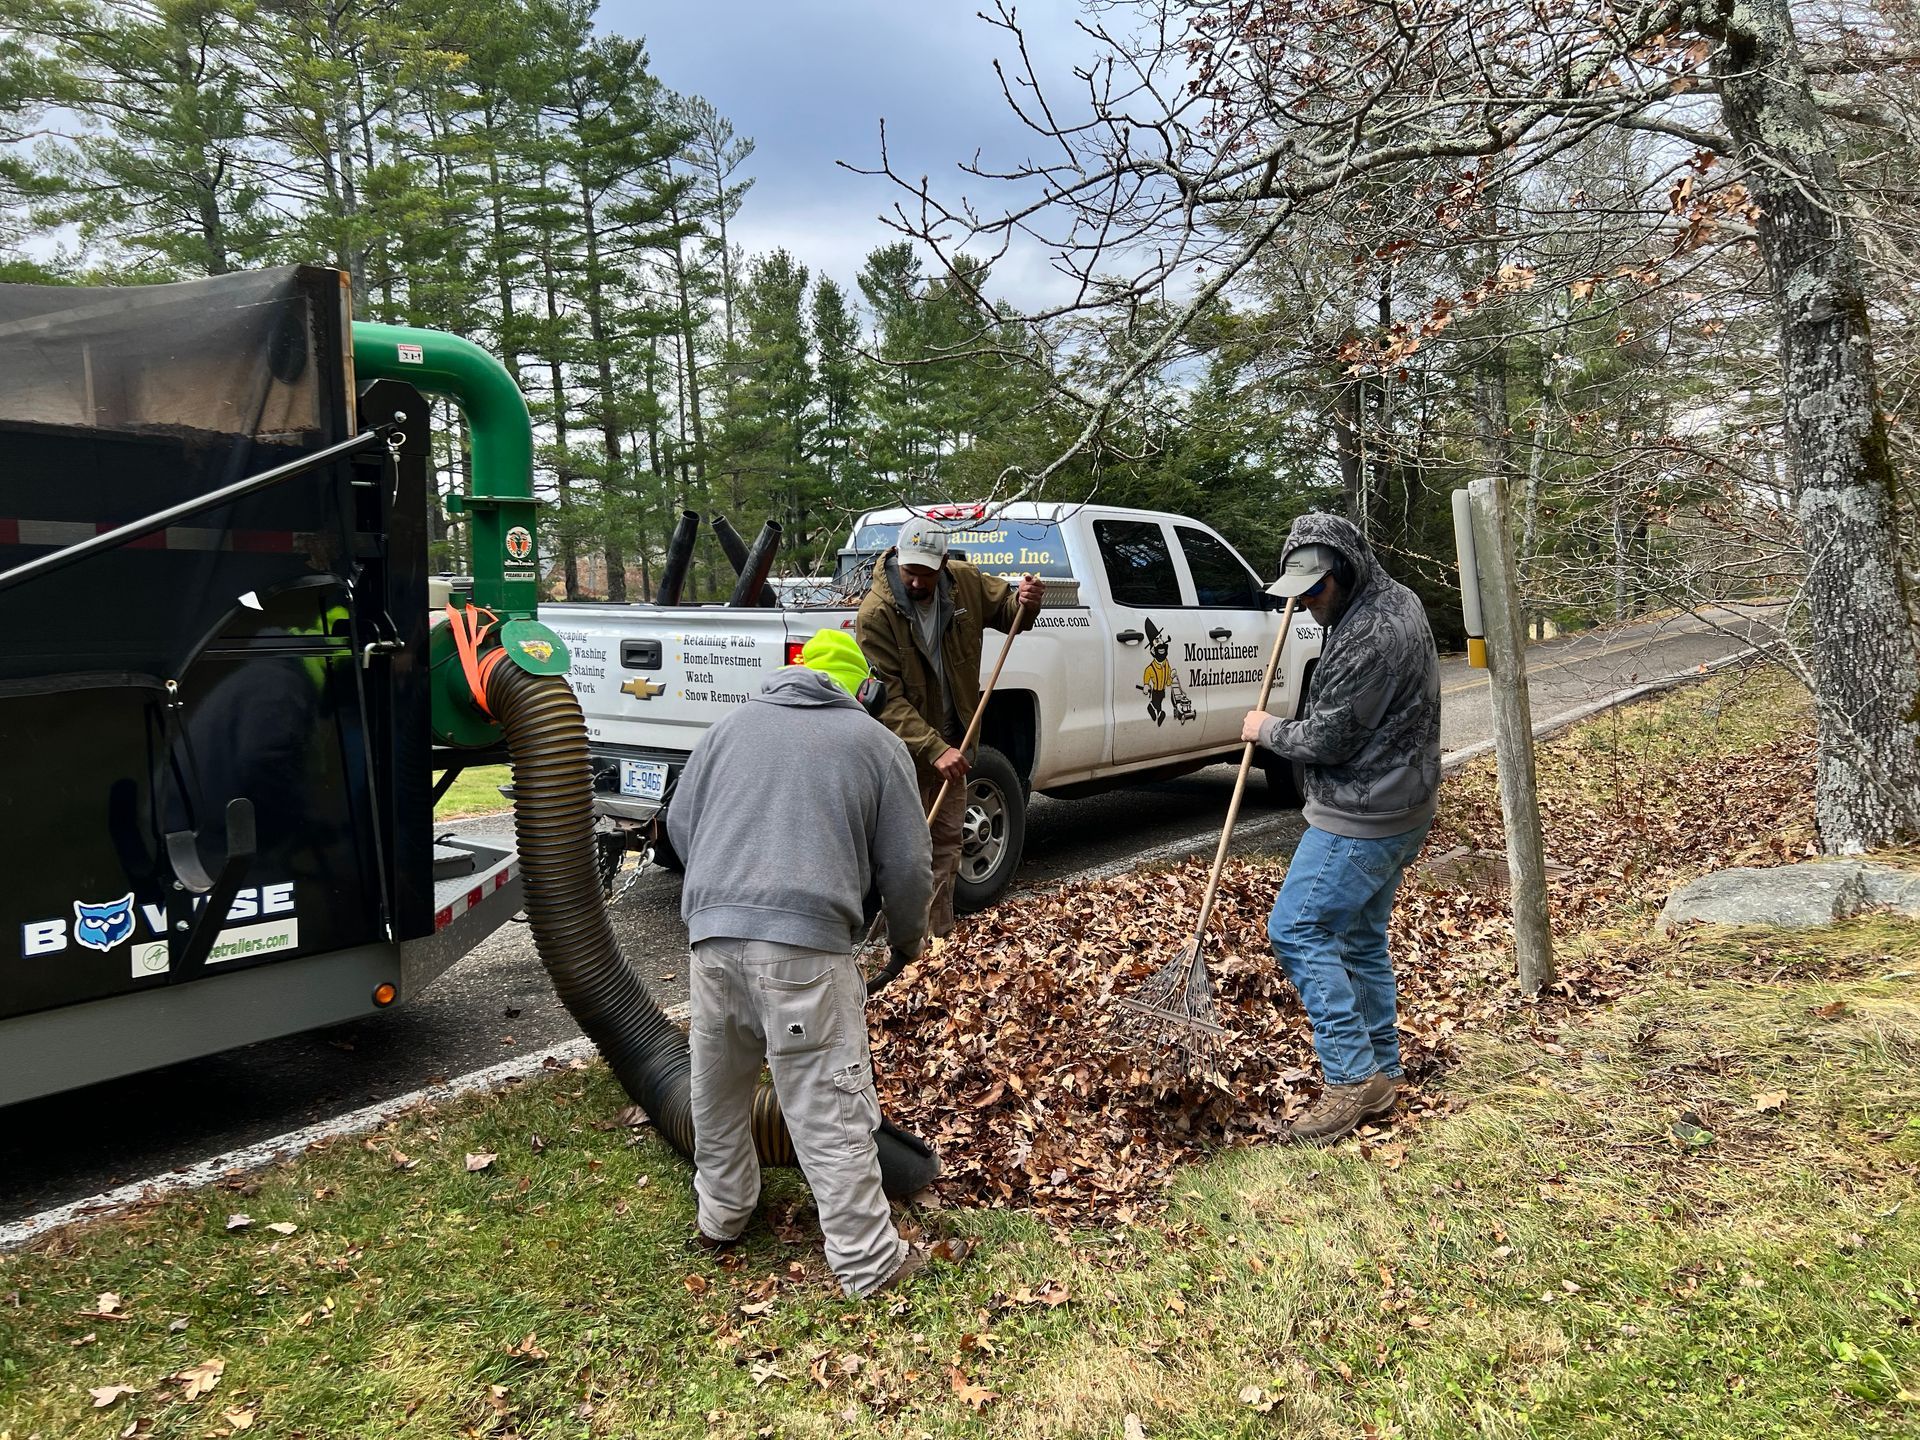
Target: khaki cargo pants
(804, 1013)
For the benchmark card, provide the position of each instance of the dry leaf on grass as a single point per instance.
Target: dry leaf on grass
(198, 1380)
(238, 1420)
(105, 1395)
(964, 1389)
(1770, 1100)
(283, 1227)
(480, 1161)
(1132, 1429)
(239, 1221)
(528, 1348)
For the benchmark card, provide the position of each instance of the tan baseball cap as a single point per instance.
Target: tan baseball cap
(922, 542)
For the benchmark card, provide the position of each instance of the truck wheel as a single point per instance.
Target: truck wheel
(664, 855)
(992, 834)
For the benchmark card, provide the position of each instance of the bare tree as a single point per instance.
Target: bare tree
(1209, 133)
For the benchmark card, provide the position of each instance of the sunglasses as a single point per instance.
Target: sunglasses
(1314, 589)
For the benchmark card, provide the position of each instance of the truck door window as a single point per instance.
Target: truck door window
(1220, 580)
(1139, 566)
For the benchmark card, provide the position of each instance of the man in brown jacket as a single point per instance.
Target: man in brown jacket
(921, 627)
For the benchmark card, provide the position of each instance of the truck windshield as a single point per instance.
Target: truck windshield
(1000, 547)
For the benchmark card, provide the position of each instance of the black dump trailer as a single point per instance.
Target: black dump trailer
(215, 754)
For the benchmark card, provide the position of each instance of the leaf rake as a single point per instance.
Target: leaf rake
(1173, 1008)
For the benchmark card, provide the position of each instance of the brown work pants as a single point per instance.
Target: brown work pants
(944, 831)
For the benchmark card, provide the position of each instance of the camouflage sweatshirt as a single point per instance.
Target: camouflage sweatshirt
(1368, 743)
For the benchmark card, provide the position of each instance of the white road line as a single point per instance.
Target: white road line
(493, 1077)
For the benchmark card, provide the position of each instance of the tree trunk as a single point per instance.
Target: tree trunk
(562, 471)
(1866, 657)
(610, 483)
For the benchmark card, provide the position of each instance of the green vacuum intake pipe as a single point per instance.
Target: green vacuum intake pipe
(500, 440)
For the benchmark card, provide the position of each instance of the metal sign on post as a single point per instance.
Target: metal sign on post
(1469, 580)
(1496, 603)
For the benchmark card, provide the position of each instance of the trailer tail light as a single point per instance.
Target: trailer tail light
(794, 647)
(956, 512)
(384, 994)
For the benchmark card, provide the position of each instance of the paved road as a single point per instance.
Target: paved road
(497, 1001)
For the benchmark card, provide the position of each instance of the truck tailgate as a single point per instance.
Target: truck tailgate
(653, 680)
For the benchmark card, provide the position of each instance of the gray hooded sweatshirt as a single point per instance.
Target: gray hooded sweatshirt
(789, 811)
(1369, 742)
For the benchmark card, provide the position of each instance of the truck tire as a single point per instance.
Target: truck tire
(993, 834)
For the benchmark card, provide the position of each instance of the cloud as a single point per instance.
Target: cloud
(810, 85)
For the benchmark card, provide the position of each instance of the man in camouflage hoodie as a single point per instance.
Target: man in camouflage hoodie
(1368, 746)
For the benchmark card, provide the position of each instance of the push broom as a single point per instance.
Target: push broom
(1175, 1005)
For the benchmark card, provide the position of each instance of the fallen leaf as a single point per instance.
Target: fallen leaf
(631, 1116)
(1176, 1305)
(176, 1325)
(480, 1161)
(105, 1395)
(1770, 1100)
(756, 1307)
(86, 1339)
(106, 1303)
(239, 1419)
(239, 1221)
(975, 1395)
(401, 1161)
(695, 1284)
(1831, 1011)
(528, 1348)
(764, 1371)
(198, 1380)
(1132, 1429)
(283, 1227)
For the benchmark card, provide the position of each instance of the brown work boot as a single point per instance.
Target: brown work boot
(1342, 1108)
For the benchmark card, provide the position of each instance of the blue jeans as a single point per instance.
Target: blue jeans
(1329, 933)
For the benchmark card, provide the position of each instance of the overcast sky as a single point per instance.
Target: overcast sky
(810, 80)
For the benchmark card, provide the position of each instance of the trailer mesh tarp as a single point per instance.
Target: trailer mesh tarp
(118, 402)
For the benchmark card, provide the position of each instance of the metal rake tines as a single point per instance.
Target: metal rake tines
(1174, 1008)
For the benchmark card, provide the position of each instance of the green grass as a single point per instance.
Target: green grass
(1547, 1260)
(1690, 1214)
(474, 792)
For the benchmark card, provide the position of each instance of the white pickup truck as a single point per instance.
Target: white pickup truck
(1149, 648)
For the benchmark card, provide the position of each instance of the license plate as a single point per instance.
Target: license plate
(643, 779)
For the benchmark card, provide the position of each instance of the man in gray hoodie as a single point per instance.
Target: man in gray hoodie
(1369, 751)
(789, 810)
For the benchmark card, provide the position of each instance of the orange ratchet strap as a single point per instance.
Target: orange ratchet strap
(468, 636)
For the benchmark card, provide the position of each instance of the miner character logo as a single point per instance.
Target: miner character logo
(1157, 681)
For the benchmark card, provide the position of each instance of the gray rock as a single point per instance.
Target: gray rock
(1790, 897)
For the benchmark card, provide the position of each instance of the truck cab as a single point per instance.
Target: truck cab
(1150, 646)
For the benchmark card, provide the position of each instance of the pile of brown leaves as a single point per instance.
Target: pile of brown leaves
(1000, 1049)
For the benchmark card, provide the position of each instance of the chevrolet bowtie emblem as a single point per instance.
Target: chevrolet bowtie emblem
(642, 689)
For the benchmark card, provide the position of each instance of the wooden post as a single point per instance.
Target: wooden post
(1513, 734)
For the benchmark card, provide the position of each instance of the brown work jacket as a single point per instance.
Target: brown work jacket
(968, 602)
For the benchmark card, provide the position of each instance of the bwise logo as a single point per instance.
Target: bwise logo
(108, 924)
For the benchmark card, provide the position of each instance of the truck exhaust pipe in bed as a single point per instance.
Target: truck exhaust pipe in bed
(735, 549)
(673, 574)
(508, 680)
(752, 587)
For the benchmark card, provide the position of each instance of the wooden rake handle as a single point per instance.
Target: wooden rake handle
(1240, 785)
(979, 711)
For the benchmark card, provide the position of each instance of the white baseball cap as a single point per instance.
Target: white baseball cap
(922, 542)
(1304, 568)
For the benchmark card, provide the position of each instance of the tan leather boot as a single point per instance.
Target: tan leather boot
(1342, 1108)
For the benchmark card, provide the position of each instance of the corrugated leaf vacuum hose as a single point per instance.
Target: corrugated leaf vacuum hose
(553, 824)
